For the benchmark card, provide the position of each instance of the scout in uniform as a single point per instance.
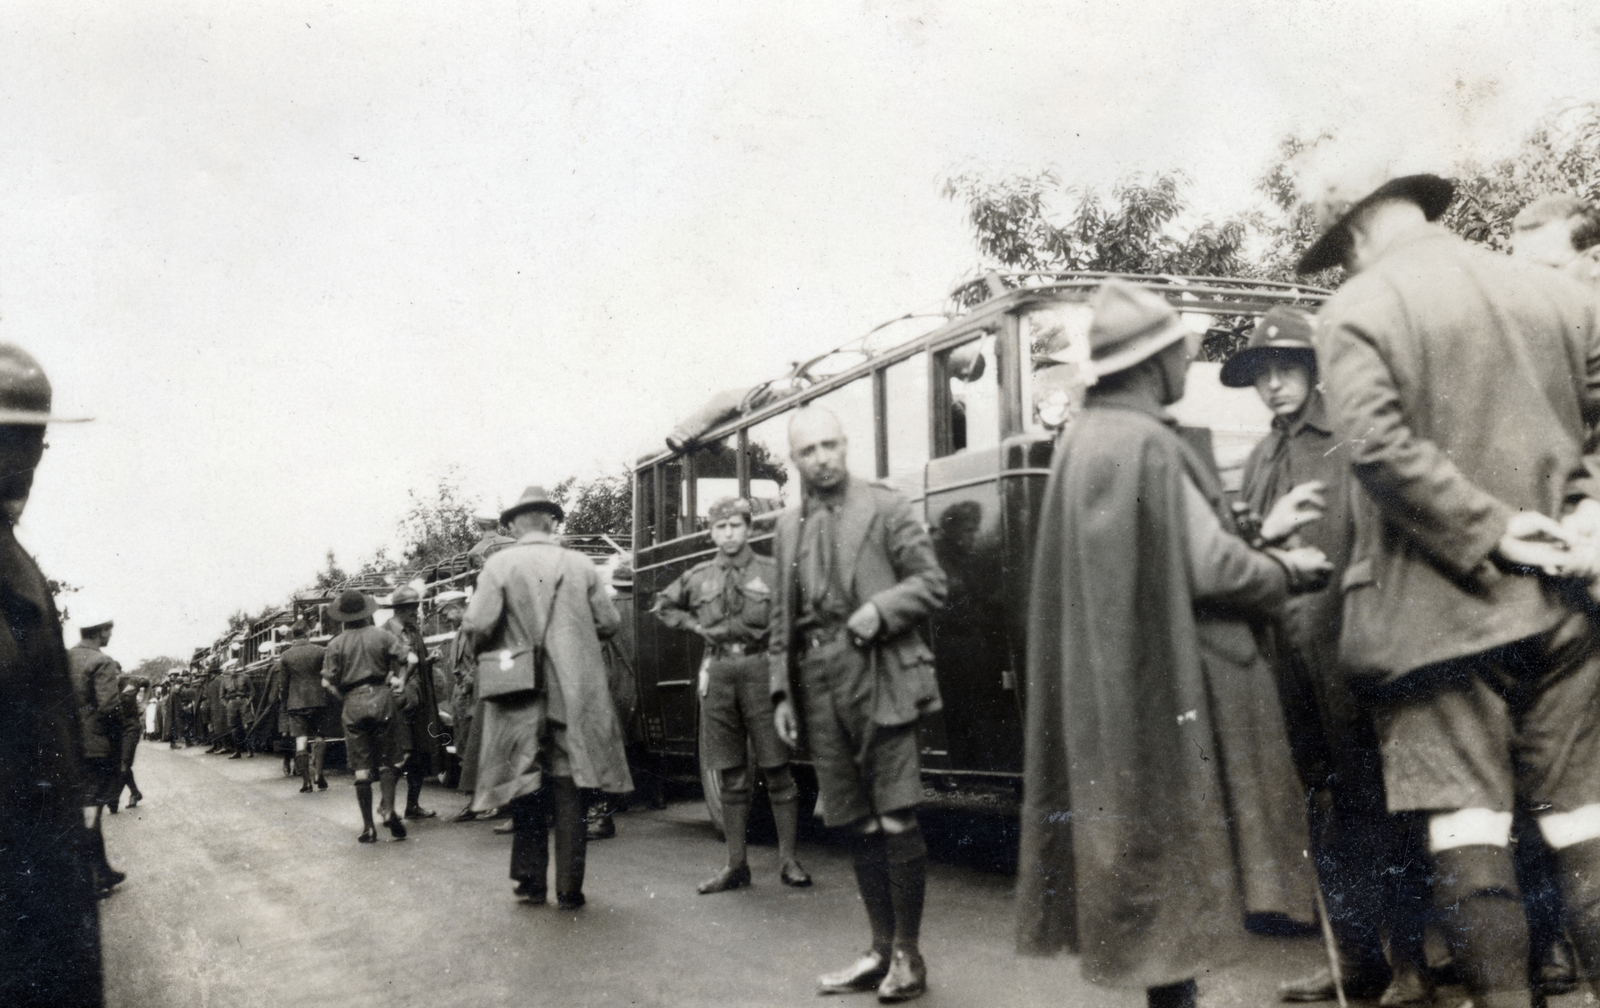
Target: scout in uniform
(727, 600)
(365, 665)
(311, 715)
(236, 698)
(419, 705)
(130, 688)
(94, 678)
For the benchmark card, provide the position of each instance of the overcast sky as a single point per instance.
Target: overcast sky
(296, 258)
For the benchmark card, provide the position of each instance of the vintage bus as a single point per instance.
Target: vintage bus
(962, 419)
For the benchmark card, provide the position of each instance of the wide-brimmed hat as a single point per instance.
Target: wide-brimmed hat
(1131, 324)
(24, 390)
(1342, 194)
(352, 605)
(1284, 330)
(533, 499)
(405, 595)
(622, 574)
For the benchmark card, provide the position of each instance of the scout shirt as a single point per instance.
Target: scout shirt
(731, 597)
(367, 654)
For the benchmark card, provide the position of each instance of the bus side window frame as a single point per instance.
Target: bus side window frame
(940, 398)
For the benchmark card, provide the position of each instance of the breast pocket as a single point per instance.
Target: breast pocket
(757, 604)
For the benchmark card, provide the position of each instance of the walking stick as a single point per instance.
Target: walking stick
(1327, 936)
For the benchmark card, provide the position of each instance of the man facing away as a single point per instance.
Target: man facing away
(419, 706)
(365, 665)
(1160, 803)
(131, 690)
(49, 928)
(94, 679)
(540, 745)
(310, 715)
(1464, 382)
(727, 601)
(856, 574)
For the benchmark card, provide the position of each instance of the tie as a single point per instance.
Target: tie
(732, 597)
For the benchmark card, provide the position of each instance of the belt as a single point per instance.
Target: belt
(737, 649)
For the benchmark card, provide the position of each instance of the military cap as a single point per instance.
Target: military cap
(728, 507)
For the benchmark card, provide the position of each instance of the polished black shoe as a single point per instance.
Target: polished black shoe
(136, 799)
(368, 835)
(907, 977)
(793, 875)
(1318, 986)
(530, 892)
(112, 808)
(465, 815)
(322, 784)
(865, 974)
(111, 877)
(727, 878)
(305, 789)
(396, 827)
(570, 900)
(601, 828)
(418, 812)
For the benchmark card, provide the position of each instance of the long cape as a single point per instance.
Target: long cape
(1160, 805)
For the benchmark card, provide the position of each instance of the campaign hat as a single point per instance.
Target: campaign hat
(622, 574)
(24, 390)
(1283, 330)
(1347, 191)
(405, 595)
(1131, 324)
(533, 498)
(352, 605)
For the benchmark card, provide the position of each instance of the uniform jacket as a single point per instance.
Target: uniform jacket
(49, 927)
(695, 599)
(508, 611)
(1160, 803)
(1462, 380)
(421, 700)
(301, 669)
(890, 563)
(94, 679)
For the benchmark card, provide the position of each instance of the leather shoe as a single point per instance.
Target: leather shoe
(570, 901)
(794, 875)
(865, 974)
(112, 808)
(368, 835)
(465, 815)
(322, 785)
(907, 977)
(305, 789)
(1318, 986)
(397, 829)
(237, 755)
(506, 827)
(418, 812)
(727, 878)
(602, 828)
(530, 892)
(498, 812)
(111, 877)
(1410, 987)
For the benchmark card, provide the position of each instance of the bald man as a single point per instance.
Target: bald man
(856, 574)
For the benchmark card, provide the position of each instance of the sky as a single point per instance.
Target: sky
(297, 259)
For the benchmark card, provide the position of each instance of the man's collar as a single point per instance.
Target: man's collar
(829, 498)
(87, 644)
(1427, 231)
(1313, 414)
(740, 559)
(1133, 399)
(537, 537)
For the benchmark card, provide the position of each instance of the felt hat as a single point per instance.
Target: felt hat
(1131, 324)
(1284, 330)
(405, 595)
(622, 574)
(1351, 188)
(24, 390)
(533, 499)
(352, 605)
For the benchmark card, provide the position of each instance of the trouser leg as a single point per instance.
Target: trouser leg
(871, 863)
(907, 857)
(736, 789)
(1475, 889)
(571, 835)
(784, 795)
(530, 839)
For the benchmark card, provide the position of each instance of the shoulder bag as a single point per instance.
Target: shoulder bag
(503, 672)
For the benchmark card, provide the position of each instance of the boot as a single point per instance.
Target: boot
(413, 793)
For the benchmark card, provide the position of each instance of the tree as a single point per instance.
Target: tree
(157, 669)
(603, 504)
(331, 576)
(1561, 154)
(437, 526)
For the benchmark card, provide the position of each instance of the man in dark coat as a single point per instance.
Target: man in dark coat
(419, 707)
(1373, 874)
(49, 924)
(131, 690)
(309, 705)
(94, 679)
(856, 576)
(1160, 802)
(1464, 383)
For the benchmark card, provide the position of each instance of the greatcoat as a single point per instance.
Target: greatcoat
(1160, 803)
(507, 611)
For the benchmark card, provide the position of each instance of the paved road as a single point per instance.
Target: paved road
(243, 893)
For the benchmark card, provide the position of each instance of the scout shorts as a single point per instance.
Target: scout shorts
(1521, 721)
(313, 722)
(374, 732)
(738, 705)
(863, 768)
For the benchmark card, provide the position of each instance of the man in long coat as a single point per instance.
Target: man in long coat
(856, 576)
(49, 924)
(539, 747)
(1465, 383)
(1160, 802)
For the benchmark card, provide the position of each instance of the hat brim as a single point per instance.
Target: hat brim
(1142, 350)
(31, 417)
(372, 606)
(1240, 369)
(549, 507)
(1430, 192)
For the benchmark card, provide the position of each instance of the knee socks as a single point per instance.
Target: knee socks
(1578, 870)
(907, 856)
(386, 781)
(872, 878)
(1475, 888)
(364, 799)
(319, 749)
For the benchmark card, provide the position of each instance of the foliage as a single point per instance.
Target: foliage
(331, 576)
(1560, 155)
(437, 526)
(603, 504)
(59, 590)
(156, 669)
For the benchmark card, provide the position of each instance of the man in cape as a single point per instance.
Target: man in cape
(1160, 803)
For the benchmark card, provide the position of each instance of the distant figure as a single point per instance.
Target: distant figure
(419, 704)
(130, 700)
(49, 927)
(558, 732)
(94, 678)
(490, 541)
(366, 665)
(312, 718)
(1560, 231)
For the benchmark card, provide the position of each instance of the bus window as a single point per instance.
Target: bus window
(852, 404)
(644, 532)
(972, 403)
(1053, 385)
(906, 423)
(716, 475)
(773, 480)
(671, 505)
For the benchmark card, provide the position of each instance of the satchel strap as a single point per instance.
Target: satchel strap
(550, 613)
